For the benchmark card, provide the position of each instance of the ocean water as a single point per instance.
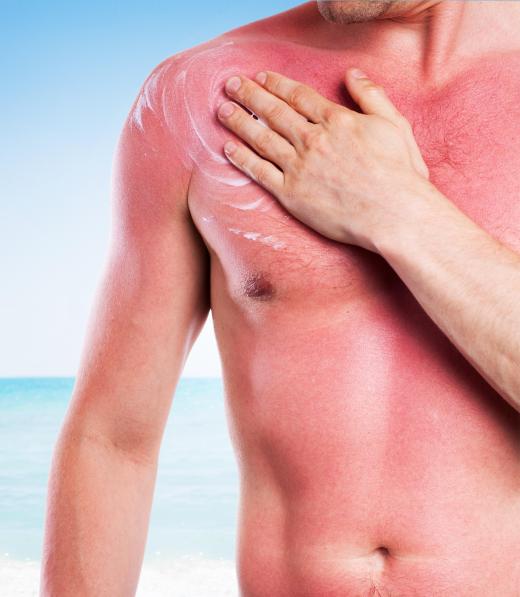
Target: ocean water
(191, 542)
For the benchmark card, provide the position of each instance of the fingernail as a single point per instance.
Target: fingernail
(261, 77)
(229, 147)
(226, 109)
(358, 74)
(233, 84)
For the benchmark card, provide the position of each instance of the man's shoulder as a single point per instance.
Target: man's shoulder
(164, 86)
(175, 104)
(174, 109)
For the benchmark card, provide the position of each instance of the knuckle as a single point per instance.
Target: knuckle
(273, 82)
(289, 192)
(297, 96)
(246, 92)
(307, 137)
(238, 157)
(330, 113)
(313, 138)
(336, 115)
(264, 140)
(236, 121)
(261, 174)
(275, 112)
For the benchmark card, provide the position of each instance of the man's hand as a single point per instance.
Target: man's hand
(360, 178)
(339, 171)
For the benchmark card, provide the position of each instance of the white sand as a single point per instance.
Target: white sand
(190, 576)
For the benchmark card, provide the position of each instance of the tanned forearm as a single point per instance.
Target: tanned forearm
(467, 282)
(98, 510)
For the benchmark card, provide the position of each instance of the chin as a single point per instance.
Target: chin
(352, 11)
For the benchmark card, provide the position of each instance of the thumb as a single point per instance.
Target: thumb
(372, 99)
(369, 96)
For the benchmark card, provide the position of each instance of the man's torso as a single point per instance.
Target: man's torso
(371, 453)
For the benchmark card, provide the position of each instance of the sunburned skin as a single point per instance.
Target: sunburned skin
(373, 458)
(202, 148)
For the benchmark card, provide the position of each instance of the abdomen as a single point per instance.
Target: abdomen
(358, 426)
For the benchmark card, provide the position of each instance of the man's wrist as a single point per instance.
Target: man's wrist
(421, 211)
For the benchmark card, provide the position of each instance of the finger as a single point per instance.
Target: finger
(304, 99)
(276, 113)
(371, 98)
(262, 139)
(262, 171)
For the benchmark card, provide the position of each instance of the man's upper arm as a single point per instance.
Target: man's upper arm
(154, 295)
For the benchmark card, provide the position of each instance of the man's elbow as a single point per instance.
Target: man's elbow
(121, 437)
(131, 443)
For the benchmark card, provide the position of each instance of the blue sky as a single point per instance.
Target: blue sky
(71, 71)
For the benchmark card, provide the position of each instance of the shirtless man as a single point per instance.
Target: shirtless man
(374, 458)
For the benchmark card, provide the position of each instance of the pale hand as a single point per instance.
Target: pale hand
(346, 174)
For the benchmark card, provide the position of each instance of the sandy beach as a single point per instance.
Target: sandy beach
(190, 576)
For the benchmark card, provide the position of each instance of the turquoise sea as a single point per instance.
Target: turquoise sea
(196, 498)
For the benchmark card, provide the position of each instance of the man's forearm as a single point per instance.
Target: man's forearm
(97, 518)
(467, 282)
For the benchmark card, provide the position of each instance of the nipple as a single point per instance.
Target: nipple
(258, 286)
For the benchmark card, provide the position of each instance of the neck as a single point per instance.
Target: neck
(431, 39)
(446, 32)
